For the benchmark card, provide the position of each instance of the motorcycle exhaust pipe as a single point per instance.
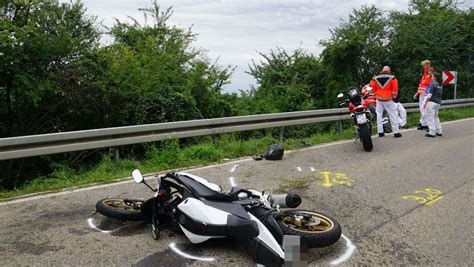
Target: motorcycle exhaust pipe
(290, 200)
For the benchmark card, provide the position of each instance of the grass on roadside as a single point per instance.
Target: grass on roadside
(174, 157)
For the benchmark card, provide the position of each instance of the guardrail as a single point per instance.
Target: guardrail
(45, 144)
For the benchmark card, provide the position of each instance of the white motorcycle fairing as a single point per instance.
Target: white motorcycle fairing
(195, 238)
(203, 214)
(267, 237)
(202, 220)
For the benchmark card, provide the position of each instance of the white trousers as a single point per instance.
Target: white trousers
(421, 99)
(432, 118)
(402, 114)
(391, 109)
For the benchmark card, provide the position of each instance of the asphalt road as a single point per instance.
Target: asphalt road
(408, 202)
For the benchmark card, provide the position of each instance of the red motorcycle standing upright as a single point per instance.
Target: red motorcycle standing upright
(361, 115)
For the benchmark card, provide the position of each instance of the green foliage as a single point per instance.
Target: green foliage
(287, 82)
(356, 48)
(38, 41)
(54, 77)
(153, 74)
(438, 31)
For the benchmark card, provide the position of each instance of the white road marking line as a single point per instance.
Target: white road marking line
(299, 169)
(186, 255)
(233, 168)
(151, 175)
(232, 181)
(312, 169)
(90, 221)
(350, 248)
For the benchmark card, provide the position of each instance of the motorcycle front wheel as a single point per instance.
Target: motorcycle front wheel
(122, 209)
(314, 228)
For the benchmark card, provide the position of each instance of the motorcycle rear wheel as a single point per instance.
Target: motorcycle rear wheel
(122, 209)
(325, 231)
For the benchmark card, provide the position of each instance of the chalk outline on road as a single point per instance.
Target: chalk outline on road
(150, 176)
(350, 249)
(173, 247)
(92, 225)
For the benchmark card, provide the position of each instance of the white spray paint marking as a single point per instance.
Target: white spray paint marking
(350, 248)
(186, 255)
(90, 221)
(232, 181)
(312, 169)
(299, 169)
(233, 168)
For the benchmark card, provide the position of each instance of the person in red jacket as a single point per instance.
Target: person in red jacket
(385, 88)
(420, 93)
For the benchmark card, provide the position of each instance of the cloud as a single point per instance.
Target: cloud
(236, 30)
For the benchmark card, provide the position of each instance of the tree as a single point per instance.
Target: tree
(205, 82)
(435, 30)
(356, 51)
(153, 74)
(359, 45)
(57, 78)
(39, 39)
(287, 82)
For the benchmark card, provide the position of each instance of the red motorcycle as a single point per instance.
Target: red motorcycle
(361, 115)
(370, 101)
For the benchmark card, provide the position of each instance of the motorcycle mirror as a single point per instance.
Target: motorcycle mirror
(137, 176)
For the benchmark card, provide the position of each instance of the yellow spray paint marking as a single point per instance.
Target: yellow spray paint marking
(426, 196)
(330, 178)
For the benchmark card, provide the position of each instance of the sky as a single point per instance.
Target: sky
(236, 31)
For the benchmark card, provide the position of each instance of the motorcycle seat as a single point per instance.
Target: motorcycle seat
(202, 191)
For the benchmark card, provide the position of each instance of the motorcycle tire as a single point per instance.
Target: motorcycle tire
(365, 137)
(325, 233)
(122, 209)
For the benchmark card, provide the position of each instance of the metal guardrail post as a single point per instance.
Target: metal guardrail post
(116, 154)
(282, 134)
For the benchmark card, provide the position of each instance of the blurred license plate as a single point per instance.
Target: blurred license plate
(361, 118)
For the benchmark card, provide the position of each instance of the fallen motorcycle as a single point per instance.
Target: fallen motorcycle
(190, 204)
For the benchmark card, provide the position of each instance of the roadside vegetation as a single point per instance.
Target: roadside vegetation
(172, 156)
(55, 76)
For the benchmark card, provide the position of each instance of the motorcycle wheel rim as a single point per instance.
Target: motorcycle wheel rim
(123, 204)
(325, 224)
